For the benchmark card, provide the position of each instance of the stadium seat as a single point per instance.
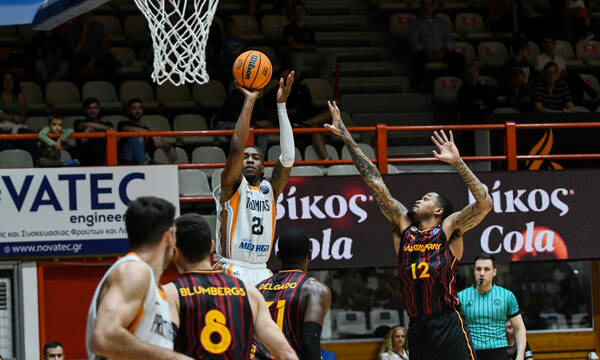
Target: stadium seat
(193, 182)
(160, 156)
(33, 96)
(311, 154)
(366, 149)
(114, 119)
(506, 110)
(275, 150)
(157, 123)
(351, 322)
(36, 123)
(105, 92)
(399, 24)
(564, 49)
(136, 29)
(446, 88)
(492, 53)
(591, 81)
(320, 91)
(130, 66)
(211, 95)
(392, 169)
(208, 154)
(534, 51)
(174, 97)
(424, 168)
(191, 122)
(268, 172)
(63, 96)
(247, 28)
(465, 49)
(306, 171)
(488, 81)
(65, 155)
(272, 55)
(337, 170)
(580, 109)
(471, 25)
(215, 178)
(272, 26)
(112, 27)
(15, 158)
(589, 51)
(141, 90)
(383, 317)
(69, 123)
(212, 223)
(450, 24)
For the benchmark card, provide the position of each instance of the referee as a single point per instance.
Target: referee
(487, 308)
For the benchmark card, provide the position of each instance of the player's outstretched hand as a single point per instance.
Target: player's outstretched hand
(250, 94)
(337, 125)
(448, 150)
(285, 87)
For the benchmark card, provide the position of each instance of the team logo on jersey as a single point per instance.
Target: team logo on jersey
(469, 303)
(264, 189)
(497, 302)
(435, 231)
(413, 228)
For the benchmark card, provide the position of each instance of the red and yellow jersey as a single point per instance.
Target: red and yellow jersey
(246, 223)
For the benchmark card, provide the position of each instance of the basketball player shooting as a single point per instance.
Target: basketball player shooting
(297, 301)
(428, 240)
(129, 317)
(246, 200)
(217, 314)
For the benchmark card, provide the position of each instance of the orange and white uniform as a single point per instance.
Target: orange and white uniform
(245, 230)
(152, 324)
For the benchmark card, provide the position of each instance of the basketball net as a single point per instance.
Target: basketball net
(179, 31)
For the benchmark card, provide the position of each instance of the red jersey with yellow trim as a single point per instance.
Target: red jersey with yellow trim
(426, 272)
(246, 223)
(282, 294)
(215, 317)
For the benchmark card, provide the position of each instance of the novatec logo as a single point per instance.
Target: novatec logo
(251, 65)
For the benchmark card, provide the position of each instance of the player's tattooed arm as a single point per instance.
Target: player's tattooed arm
(232, 174)
(391, 208)
(472, 214)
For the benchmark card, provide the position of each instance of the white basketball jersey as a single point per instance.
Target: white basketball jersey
(246, 223)
(152, 324)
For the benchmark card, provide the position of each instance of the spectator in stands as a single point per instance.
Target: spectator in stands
(50, 150)
(92, 152)
(133, 150)
(53, 350)
(518, 73)
(552, 95)
(89, 44)
(303, 113)
(13, 107)
(430, 40)
(394, 345)
(231, 43)
(475, 100)
(50, 62)
(302, 48)
(512, 344)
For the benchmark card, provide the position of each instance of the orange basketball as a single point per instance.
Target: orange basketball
(252, 70)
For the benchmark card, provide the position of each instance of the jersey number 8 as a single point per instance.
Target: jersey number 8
(215, 323)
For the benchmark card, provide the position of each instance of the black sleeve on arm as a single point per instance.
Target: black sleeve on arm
(310, 344)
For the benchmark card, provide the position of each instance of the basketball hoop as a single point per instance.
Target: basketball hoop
(179, 31)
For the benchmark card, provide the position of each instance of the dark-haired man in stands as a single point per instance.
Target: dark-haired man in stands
(53, 350)
(430, 40)
(475, 99)
(91, 152)
(519, 75)
(552, 95)
(133, 150)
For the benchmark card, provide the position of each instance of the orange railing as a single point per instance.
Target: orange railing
(381, 135)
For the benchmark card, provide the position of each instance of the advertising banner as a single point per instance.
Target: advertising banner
(536, 215)
(75, 211)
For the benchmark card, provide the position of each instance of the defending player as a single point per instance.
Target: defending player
(245, 200)
(297, 301)
(129, 317)
(429, 242)
(217, 314)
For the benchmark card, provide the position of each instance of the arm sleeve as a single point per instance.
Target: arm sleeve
(66, 134)
(513, 307)
(286, 137)
(43, 136)
(310, 344)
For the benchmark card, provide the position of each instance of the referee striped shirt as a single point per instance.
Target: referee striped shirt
(487, 314)
(555, 100)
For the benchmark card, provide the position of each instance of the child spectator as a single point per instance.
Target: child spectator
(50, 150)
